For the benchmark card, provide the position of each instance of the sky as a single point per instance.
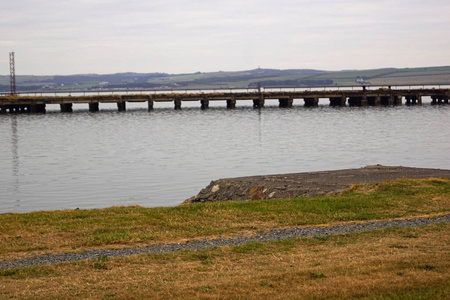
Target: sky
(54, 37)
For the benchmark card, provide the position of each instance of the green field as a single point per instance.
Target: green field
(239, 79)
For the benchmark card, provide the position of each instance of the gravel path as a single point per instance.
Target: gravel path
(197, 244)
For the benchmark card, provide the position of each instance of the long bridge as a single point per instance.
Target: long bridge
(338, 96)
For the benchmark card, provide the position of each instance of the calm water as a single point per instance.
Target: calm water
(160, 158)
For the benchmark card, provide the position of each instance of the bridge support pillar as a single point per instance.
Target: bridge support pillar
(364, 101)
(357, 101)
(93, 107)
(391, 100)
(286, 102)
(410, 100)
(338, 101)
(150, 105)
(398, 100)
(231, 103)
(177, 104)
(66, 107)
(384, 100)
(258, 103)
(413, 100)
(20, 108)
(373, 101)
(37, 108)
(439, 100)
(353, 101)
(417, 99)
(121, 106)
(311, 102)
(204, 103)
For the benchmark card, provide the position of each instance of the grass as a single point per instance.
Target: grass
(396, 263)
(71, 230)
(358, 265)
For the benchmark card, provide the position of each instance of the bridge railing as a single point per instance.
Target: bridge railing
(224, 90)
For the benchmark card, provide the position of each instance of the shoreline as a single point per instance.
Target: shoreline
(308, 184)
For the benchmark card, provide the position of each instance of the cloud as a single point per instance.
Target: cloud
(102, 36)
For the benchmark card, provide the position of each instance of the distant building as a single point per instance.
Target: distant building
(361, 80)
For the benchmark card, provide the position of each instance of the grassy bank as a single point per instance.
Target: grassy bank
(396, 263)
(399, 263)
(72, 230)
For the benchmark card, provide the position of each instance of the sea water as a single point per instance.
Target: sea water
(162, 157)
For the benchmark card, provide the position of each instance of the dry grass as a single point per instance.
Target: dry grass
(72, 230)
(407, 263)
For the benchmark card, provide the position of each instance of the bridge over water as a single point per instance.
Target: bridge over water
(338, 96)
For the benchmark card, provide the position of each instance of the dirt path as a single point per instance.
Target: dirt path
(305, 184)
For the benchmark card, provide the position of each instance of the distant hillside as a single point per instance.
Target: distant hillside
(250, 78)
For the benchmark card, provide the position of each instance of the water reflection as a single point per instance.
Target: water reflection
(15, 156)
(15, 150)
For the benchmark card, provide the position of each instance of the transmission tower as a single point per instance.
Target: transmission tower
(12, 73)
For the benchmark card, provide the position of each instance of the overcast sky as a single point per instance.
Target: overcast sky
(184, 36)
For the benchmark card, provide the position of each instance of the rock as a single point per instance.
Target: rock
(188, 200)
(215, 188)
(305, 184)
(256, 193)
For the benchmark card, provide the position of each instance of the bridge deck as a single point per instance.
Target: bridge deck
(362, 97)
